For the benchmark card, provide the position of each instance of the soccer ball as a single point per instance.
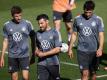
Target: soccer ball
(64, 47)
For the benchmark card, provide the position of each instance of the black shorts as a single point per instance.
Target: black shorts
(87, 60)
(50, 72)
(15, 64)
(67, 16)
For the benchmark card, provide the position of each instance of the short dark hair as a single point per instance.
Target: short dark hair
(89, 5)
(15, 10)
(42, 16)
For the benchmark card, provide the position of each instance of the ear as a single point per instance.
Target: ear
(47, 21)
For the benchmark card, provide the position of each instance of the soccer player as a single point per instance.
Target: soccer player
(62, 9)
(90, 30)
(48, 48)
(16, 33)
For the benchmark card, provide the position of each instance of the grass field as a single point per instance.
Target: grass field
(31, 8)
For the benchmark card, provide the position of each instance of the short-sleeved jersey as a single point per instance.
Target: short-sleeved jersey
(17, 35)
(61, 5)
(88, 32)
(46, 41)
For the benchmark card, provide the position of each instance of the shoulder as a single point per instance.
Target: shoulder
(7, 23)
(78, 17)
(97, 17)
(54, 31)
(26, 21)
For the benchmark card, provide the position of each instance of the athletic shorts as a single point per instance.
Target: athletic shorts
(50, 72)
(67, 16)
(15, 64)
(87, 61)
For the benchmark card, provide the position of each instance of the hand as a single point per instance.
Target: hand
(99, 53)
(70, 53)
(70, 7)
(32, 60)
(2, 62)
(40, 53)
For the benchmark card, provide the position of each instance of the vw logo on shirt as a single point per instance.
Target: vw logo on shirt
(87, 31)
(17, 36)
(45, 44)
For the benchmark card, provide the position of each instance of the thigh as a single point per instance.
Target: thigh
(42, 73)
(25, 74)
(24, 63)
(83, 60)
(67, 16)
(54, 72)
(13, 65)
(57, 15)
(93, 62)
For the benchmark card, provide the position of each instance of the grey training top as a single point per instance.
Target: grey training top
(45, 42)
(17, 35)
(88, 32)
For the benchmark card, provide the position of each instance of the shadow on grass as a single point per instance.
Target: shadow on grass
(104, 59)
(65, 79)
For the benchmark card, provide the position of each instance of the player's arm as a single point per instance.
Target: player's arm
(72, 41)
(53, 51)
(73, 38)
(33, 44)
(5, 45)
(48, 53)
(33, 41)
(101, 36)
(71, 5)
(101, 43)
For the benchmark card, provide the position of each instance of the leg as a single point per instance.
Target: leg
(13, 66)
(57, 16)
(94, 64)
(25, 74)
(83, 60)
(93, 75)
(42, 73)
(85, 75)
(24, 65)
(14, 76)
(57, 24)
(54, 72)
(69, 29)
(67, 18)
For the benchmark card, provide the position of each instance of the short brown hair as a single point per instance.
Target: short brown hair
(15, 10)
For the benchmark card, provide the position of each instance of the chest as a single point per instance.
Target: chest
(87, 25)
(45, 37)
(17, 29)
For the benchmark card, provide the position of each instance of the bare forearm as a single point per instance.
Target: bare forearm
(53, 51)
(101, 40)
(73, 39)
(5, 45)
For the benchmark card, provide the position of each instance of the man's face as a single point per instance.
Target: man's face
(43, 24)
(88, 13)
(17, 17)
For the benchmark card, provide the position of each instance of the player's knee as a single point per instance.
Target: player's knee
(85, 73)
(14, 78)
